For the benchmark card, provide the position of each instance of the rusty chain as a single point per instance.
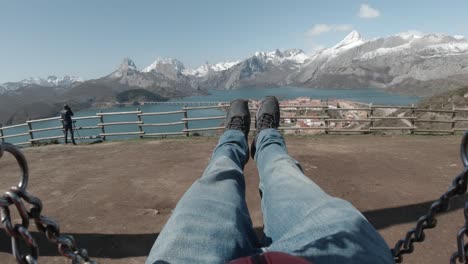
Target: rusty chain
(427, 221)
(19, 232)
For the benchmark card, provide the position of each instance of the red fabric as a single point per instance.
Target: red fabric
(270, 258)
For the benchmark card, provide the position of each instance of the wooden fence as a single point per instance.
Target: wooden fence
(324, 119)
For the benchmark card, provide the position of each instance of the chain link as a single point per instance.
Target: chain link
(427, 221)
(461, 255)
(19, 232)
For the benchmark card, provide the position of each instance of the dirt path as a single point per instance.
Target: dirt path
(107, 195)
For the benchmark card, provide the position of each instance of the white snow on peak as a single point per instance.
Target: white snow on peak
(411, 34)
(49, 81)
(459, 37)
(52, 80)
(278, 57)
(447, 49)
(207, 68)
(427, 45)
(126, 65)
(351, 40)
(176, 64)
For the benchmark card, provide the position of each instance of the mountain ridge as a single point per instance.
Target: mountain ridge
(408, 62)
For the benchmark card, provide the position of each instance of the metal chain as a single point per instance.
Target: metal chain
(461, 256)
(427, 221)
(19, 232)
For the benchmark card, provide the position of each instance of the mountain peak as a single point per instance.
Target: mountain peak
(352, 37)
(127, 64)
(206, 68)
(278, 57)
(177, 65)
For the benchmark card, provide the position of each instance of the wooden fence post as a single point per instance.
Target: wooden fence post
(31, 136)
(413, 118)
(186, 127)
(101, 119)
(327, 123)
(454, 114)
(140, 125)
(1, 133)
(371, 115)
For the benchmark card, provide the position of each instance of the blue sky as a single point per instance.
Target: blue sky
(89, 38)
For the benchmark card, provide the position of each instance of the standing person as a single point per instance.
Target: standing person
(67, 122)
(302, 223)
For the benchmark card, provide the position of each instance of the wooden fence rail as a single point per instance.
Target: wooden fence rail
(325, 119)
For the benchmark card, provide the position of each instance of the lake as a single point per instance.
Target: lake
(283, 93)
(360, 95)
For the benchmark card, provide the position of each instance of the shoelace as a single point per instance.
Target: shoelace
(266, 120)
(236, 122)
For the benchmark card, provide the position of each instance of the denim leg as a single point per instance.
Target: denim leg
(211, 222)
(302, 220)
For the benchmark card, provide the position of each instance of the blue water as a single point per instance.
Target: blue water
(361, 95)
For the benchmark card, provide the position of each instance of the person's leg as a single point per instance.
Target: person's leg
(65, 130)
(211, 223)
(303, 220)
(72, 134)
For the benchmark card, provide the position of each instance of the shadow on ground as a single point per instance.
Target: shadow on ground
(116, 246)
(386, 217)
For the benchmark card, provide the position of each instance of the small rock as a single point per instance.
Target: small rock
(147, 211)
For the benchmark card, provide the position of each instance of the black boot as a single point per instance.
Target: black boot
(238, 116)
(268, 116)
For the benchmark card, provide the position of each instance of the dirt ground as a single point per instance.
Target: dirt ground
(106, 194)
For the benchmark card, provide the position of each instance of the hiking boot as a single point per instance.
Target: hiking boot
(268, 116)
(238, 116)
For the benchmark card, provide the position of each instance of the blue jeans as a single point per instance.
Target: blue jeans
(211, 222)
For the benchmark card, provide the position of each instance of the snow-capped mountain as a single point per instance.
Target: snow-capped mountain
(50, 81)
(163, 63)
(408, 62)
(208, 68)
(168, 67)
(262, 69)
(127, 66)
(277, 57)
(405, 62)
(53, 81)
(164, 76)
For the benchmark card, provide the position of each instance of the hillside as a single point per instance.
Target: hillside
(139, 95)
(446, 100)
(35, 101)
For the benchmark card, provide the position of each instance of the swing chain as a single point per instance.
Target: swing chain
(15, 196)
(461, 255)
(428, 221)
